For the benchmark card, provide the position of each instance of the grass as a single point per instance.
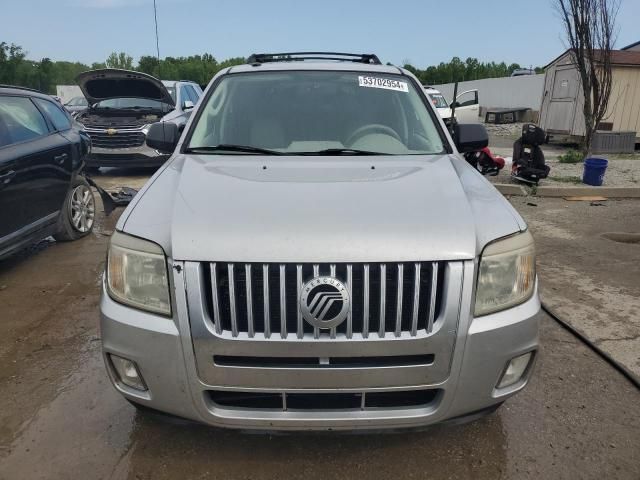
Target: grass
(570, 179)
(625, 156)
(571, 156)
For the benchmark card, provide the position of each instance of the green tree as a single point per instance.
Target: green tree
(457, 71)
(45, 75)
(148, 64)
(119, 60)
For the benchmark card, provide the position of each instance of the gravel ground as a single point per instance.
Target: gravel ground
(623, 170)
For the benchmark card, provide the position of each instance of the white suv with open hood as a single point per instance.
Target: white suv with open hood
(122, 106)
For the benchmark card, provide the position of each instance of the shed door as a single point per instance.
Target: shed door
(562, 105)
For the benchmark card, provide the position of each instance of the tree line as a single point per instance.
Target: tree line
(44, 75)
(457, 70)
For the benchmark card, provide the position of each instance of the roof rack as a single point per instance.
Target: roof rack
(259, 58)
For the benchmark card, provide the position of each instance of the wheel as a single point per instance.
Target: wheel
(78, 212)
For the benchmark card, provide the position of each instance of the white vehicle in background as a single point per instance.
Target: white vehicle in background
(467, 105)
(439, 102)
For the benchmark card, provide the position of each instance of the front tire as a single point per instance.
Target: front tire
(78, 212)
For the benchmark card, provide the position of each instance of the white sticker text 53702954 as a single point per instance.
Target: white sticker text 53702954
(385, 83)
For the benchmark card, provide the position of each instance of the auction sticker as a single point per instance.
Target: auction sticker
(385, 83)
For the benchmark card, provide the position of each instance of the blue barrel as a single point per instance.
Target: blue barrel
(594, 169)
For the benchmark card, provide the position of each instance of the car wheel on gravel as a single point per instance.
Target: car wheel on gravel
(78, 212)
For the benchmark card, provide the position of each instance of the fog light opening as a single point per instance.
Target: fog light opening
(128, 373)
(515, 370)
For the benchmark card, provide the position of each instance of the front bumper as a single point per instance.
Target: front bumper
(164, 352)
(133, 157)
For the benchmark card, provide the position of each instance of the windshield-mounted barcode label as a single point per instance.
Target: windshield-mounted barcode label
(385, 83)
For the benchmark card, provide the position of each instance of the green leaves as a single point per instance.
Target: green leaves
(16, 69)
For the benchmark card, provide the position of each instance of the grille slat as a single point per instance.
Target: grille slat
(300, 327)
(215, 301)
(232, 301)
(383, 300)
(265, 293)
(350, 290)
(261, 300)
(365, 300)
(332, 272)
(247, 272)
(399, 300)
(432, 306)
(283, 301)
(416, 299)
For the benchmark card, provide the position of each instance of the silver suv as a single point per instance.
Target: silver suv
(317, 255)
(122, 106)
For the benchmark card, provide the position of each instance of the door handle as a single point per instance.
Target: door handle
(59, 159)
(6, 178)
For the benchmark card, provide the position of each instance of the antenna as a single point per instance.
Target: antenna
(155, 17)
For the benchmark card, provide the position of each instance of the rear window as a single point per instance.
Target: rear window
(308, 112)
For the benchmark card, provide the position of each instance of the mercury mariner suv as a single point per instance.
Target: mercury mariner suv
(316, 254)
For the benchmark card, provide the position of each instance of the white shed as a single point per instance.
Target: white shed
(562, 99)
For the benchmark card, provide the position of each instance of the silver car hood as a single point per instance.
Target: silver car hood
(313, 209)
(97, 85)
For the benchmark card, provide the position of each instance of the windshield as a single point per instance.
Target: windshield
(310, 112)
(438, 100)
(77, 102)
(136, 103)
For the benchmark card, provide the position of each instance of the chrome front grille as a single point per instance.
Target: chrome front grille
(262, 300)
(120, 139)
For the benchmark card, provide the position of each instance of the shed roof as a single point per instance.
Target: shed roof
(618, 57)
(635, 44)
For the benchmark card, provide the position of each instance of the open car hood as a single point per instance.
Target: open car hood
(97, 85)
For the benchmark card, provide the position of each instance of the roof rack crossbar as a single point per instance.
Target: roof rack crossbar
(369, 58)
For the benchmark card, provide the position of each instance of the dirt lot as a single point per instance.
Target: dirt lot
(586, 276)
(60, 418)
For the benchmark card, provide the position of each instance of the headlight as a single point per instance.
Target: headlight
(137, 274)
(506, 275)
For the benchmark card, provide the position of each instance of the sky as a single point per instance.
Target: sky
(421, 32)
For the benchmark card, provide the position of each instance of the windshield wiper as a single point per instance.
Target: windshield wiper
(338, 151)
(226, 147)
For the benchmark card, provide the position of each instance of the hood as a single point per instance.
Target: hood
(97, 85)
(232, 208)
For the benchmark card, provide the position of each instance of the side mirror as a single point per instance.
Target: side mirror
(163, 136)
(187, 105)
(470, 137)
